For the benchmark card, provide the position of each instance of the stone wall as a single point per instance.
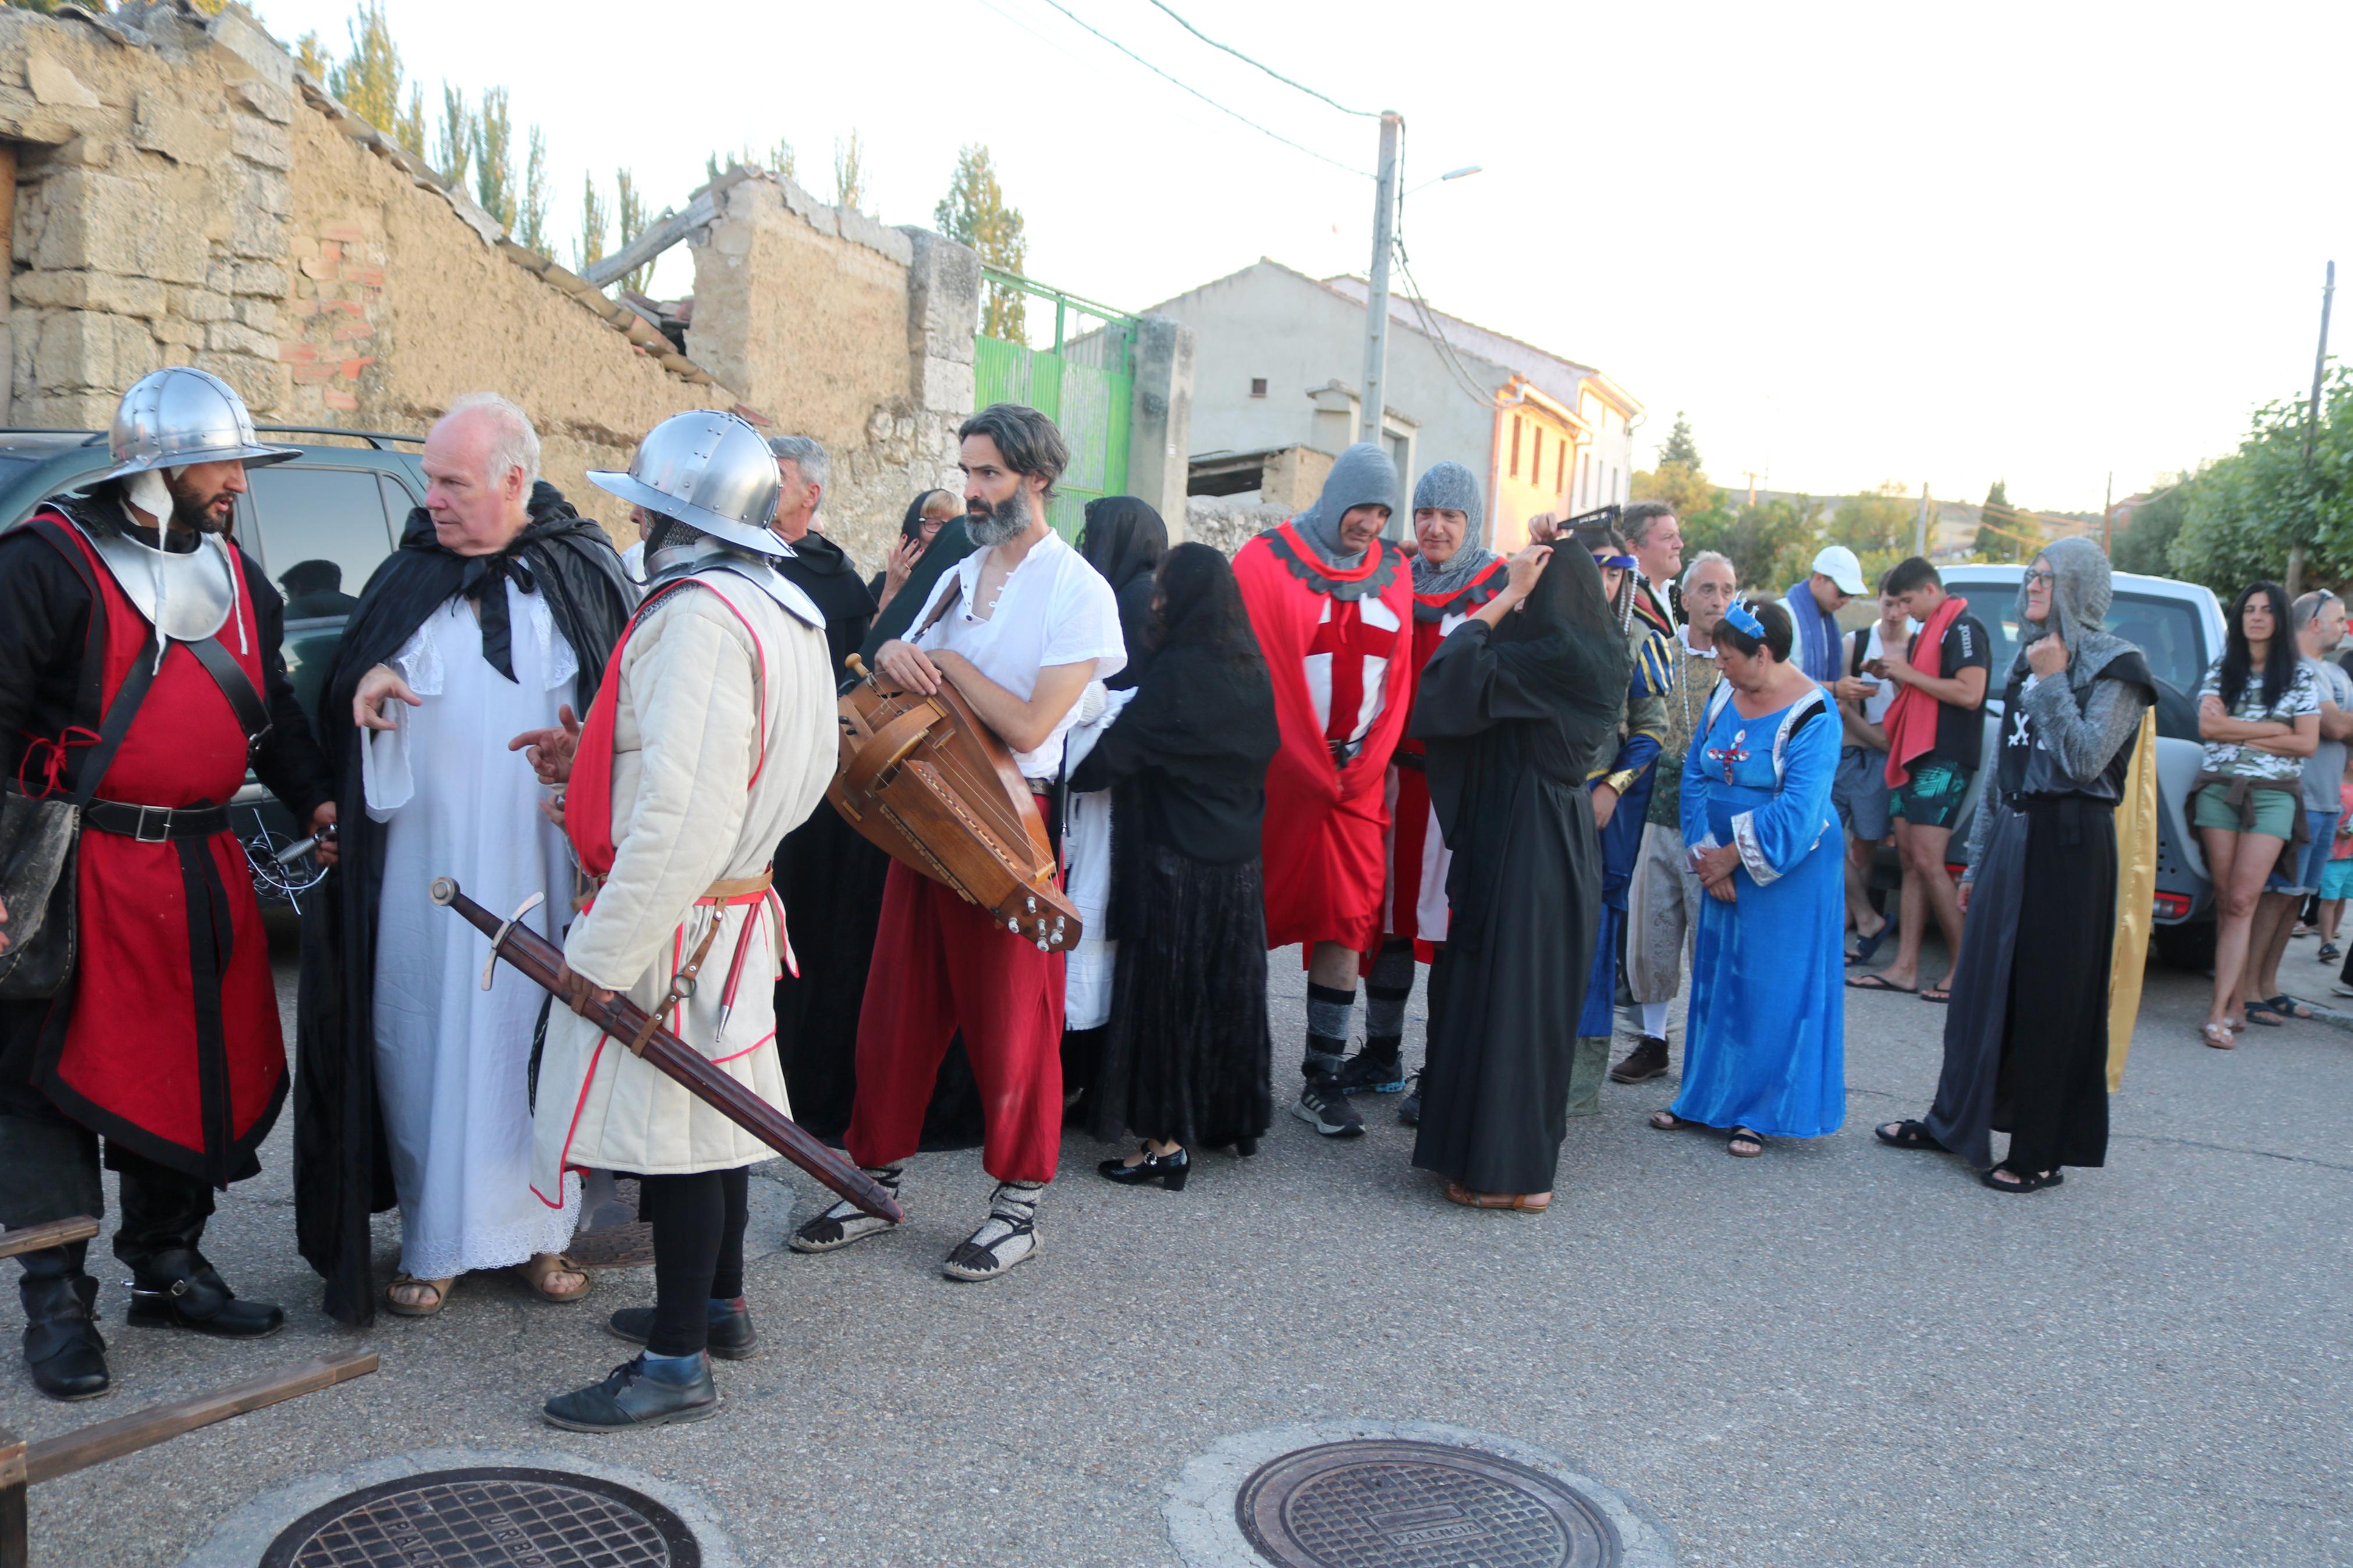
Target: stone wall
(186, 196)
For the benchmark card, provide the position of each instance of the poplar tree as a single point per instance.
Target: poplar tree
(975, 213)
(594, 220)
(849, 172)
(630, 211)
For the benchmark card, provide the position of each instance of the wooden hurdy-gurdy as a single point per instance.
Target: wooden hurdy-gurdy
(925, 779)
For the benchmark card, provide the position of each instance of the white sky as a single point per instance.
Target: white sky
(1854, 242)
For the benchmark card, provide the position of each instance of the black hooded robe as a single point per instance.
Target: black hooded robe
(1123, 539)
(341, 1172)
(1512, 719)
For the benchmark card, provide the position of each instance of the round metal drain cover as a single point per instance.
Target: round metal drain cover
(487, 1518)
(1400, 1504)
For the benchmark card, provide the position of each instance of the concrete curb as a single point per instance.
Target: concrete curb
(1198, 1506)
(238, 1541)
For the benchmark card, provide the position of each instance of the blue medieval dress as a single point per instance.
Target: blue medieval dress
(1765, 1041)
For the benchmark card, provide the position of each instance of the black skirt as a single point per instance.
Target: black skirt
(1187, 1055)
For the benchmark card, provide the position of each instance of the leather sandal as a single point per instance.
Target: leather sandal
(400, 1309)
(1516, 1202)
(535, 1270)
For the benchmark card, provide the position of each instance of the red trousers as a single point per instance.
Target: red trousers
(940, 965)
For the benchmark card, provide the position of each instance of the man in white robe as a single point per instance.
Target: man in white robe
(711, 737)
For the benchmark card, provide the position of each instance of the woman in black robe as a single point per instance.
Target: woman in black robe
(927, 515)
(1511, 708)
(342, 1173)
(1187, 1055)
(1123, 539)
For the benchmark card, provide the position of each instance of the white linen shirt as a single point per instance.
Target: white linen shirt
(1053, 609)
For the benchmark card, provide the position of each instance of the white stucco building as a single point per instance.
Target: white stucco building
(1281, 354)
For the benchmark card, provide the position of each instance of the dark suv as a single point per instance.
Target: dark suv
(318, 524)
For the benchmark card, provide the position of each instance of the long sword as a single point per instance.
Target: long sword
(540, 961)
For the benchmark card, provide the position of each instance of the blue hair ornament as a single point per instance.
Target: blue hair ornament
(1740, 619)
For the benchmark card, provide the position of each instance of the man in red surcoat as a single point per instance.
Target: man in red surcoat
(1332, 604)
(140, 670)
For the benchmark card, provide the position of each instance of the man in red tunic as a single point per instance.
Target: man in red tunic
(1453, 575)
(140, 667)
(1332, 604)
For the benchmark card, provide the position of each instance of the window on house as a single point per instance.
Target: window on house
(1560, 468)
(1515, 446)
(1535, 460)
(1258, 386)
(1583, 478)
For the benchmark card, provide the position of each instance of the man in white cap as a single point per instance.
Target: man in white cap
(1814, 605)
(139, 671)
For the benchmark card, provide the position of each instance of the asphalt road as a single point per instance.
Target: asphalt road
(1834, 1354)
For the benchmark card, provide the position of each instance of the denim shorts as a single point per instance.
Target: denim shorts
(1932, 797)
(1858, 792)
(2314, 857)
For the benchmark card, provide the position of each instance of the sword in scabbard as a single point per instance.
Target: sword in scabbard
(541, 961)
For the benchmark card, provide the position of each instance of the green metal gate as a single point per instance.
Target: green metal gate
(1083, 381)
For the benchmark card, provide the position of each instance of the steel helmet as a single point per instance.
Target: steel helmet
(181, 414)
(710, 470)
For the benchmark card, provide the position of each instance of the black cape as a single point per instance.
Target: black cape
(948, 546)
(1123, 540)
(341, 1172)
(824, 571)
(1511, 720)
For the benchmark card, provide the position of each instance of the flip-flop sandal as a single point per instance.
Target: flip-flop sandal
(1742, 1135)
(2289, 1006)
(1866, 948)
(1881, 983)
(2219, 1036)
(2262, 1012)
(1936, 993)
(1910, 1135)
(399, 1309)
(1668, 1122)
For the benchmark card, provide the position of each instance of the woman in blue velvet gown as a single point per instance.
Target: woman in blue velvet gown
(1765, 1042)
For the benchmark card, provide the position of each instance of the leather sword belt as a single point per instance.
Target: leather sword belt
(723, 893)
(156, 824)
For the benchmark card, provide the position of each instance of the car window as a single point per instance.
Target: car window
(2165, 630)
(324, 529)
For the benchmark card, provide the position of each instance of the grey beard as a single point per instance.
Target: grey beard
(1003, 522)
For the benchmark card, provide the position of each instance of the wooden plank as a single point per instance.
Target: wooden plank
(55, 1456)
(54, 1232)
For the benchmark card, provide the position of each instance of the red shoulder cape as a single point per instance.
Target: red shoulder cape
(1325, 825)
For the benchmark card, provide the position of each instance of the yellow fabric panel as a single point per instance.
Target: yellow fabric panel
(2135, 895)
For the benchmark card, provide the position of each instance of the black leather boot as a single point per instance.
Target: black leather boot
(176, 1288)
(62, 1346)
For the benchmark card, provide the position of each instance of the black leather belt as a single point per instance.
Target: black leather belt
(156, 824)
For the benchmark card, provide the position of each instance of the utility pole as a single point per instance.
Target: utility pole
(2311, 423)
(2108, 516)
(1752, 486)
(1376, 298)
(1920, 525)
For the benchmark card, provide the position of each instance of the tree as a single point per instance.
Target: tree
(530, 225)
(1679, 485)
(494, 172)
(975, 213)
(2142, 543)
(1997, 514)
(629, 211)
(1877, 523)
(368, 80)
(849, 172)
(453, 143)
(777, 160)
(1770, 545)
(2245, 512)
(1680, 448)
(594, 220)
(311, 56)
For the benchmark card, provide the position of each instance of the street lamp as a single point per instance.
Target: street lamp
(1464, 173)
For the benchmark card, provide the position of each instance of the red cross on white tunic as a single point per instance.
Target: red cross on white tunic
(1350, 642)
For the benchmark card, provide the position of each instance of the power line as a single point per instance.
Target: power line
(1362, 113)
(1204, 97)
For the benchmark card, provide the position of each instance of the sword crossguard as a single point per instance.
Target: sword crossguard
(490, 964)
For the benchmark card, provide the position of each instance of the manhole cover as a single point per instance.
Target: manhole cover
(1402, 1504)
(487, 1518)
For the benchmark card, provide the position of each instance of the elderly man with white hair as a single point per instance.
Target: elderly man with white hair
(493, 619)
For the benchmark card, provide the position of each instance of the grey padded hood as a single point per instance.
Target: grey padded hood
(2080, 588)
(1363, 476)
(1450, 486)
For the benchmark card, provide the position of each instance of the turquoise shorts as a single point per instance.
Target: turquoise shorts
(1932, 797)
(2336, 880)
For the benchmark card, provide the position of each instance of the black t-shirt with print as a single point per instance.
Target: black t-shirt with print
(1960, 732)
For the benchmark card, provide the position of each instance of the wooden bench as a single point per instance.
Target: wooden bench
(23, 1464)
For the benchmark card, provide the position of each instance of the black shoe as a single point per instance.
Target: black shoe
(1376, 1069)
(1324, 1105)
(62, 1347)
(628, 1399)
(1410, 1108)
(176, 1288)
(1646, 1060)
(732, 1337)
(1168, 1170)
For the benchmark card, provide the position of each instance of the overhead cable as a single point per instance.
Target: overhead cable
(1204, 97)
(1364, 113)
